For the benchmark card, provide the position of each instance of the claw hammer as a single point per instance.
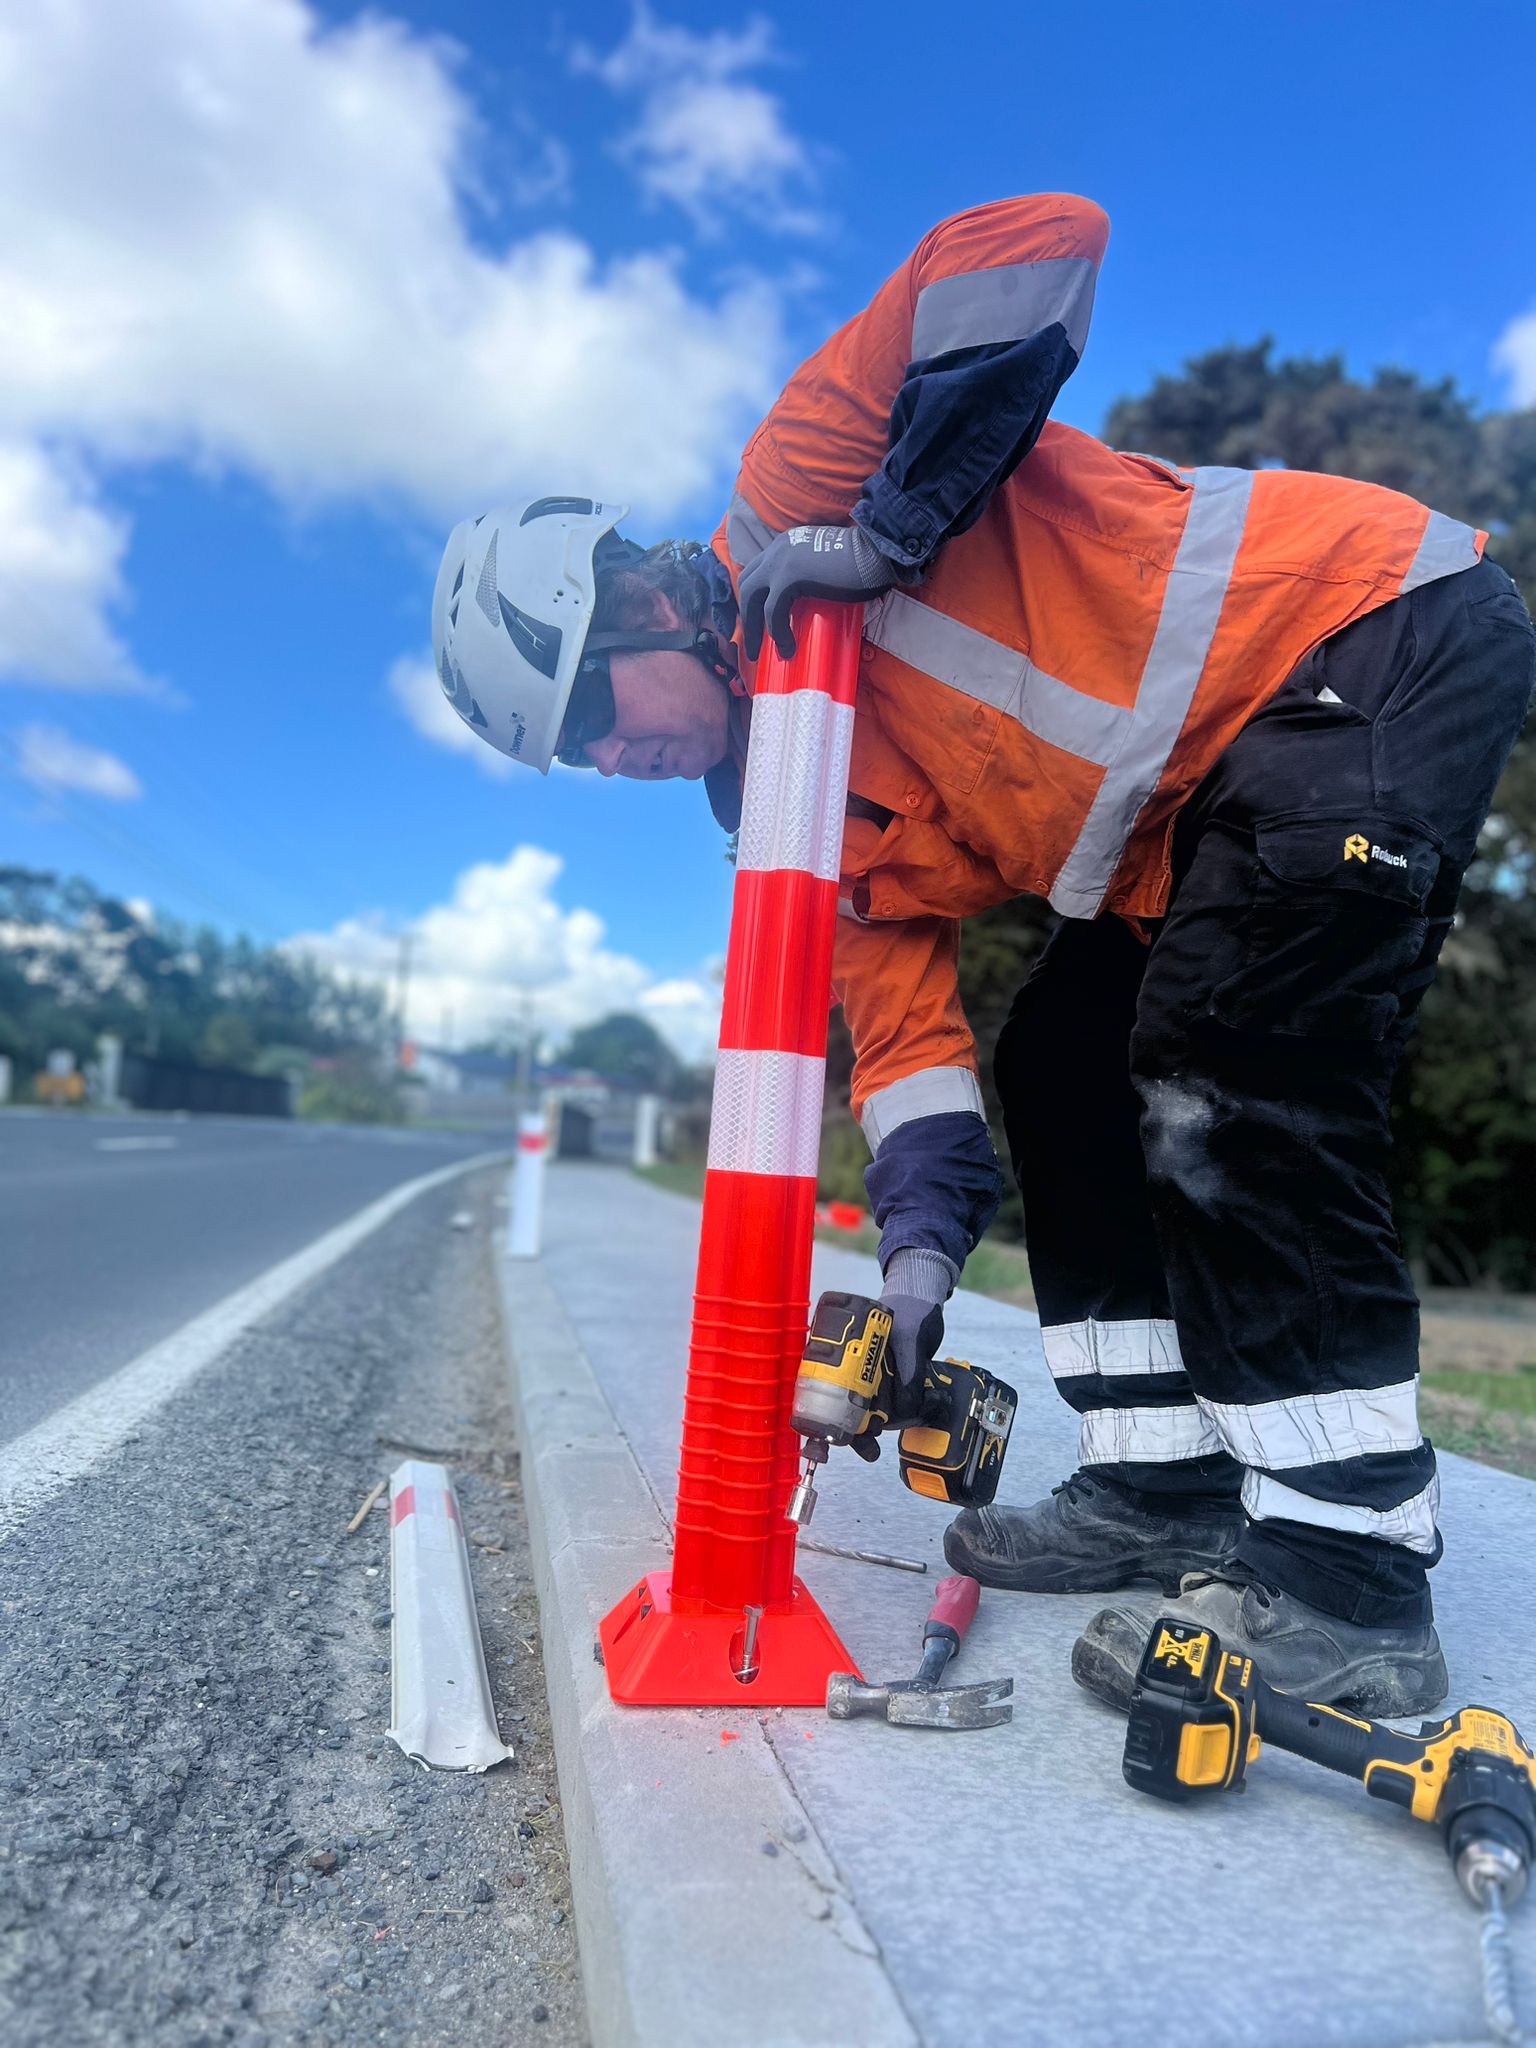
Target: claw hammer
(921, 1702)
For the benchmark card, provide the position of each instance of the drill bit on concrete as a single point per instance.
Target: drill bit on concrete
(1498, 1970)
(897, 1564)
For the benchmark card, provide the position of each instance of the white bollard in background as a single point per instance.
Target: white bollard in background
(647, 1122)
(5, 1077)
(109, 1070)
(525, 1230)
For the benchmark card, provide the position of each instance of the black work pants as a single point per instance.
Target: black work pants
(1199, 1126)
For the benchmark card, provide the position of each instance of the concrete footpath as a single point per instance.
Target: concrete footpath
(776, 1880)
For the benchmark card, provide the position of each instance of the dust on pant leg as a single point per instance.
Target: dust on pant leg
(1179, 1119)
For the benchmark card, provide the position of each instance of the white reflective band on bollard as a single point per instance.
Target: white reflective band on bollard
(440, 1692)
(525, 1231)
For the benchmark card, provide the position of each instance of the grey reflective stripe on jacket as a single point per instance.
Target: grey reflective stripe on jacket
(1447, 548)
(1132, 745)
(932, 1091)
(954, 653)
(1192, 600)
(746, 535)
(1007, 302)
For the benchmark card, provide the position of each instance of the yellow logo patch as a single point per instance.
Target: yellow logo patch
(1171, 1651)
(1357, 847)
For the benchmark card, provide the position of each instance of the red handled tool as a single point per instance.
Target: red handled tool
(921, 1702)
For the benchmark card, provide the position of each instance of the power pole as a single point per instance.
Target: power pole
(407, 942)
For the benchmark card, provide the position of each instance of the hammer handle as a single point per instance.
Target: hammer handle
(953, 1610)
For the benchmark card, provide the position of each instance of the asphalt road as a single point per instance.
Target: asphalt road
(115, 1231)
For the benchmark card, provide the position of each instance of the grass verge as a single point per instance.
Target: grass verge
(1485, 1410)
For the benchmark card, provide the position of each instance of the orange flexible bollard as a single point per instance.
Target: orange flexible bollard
(730, 1622)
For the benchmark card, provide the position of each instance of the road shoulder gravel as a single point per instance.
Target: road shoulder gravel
(204, 1835)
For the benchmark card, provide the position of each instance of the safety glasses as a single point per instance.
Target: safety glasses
(589, 715)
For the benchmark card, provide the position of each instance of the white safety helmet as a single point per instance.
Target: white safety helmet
(512, 618)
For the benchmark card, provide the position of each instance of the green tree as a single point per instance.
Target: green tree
(75, 963)
(627, 1050)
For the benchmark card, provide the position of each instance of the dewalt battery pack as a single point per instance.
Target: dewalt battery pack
(955, 1454)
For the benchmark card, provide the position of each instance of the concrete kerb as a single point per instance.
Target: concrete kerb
(706, 1905)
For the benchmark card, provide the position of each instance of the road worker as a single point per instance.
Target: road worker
(1241, 730)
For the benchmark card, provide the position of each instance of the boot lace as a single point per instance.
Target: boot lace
(1234, 1574)
(1079, 1486)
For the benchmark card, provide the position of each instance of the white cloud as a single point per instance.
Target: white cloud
(503, 949)
(414, 686)
(706, 137)
(1515, 354)
(236, 236)
(51, 760)
(61, 571)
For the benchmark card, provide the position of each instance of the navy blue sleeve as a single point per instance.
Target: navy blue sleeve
(935, 1184)
(962, 423)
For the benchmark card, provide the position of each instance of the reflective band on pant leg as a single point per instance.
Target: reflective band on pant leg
(1411, 1522)
(1148, 1345)
(1148, 1436)
(1319, 1429)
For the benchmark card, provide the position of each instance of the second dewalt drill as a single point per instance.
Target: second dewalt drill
(951, 1449)
(1200, 1714)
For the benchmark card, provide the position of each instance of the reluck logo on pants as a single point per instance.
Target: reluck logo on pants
(1358, 847)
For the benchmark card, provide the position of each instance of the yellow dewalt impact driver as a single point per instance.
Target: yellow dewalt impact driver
(1200, 1714)
(951, 1451)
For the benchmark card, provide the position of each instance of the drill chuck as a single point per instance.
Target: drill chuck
(1488, 1813)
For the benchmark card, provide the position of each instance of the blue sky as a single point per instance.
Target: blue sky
(284, 295)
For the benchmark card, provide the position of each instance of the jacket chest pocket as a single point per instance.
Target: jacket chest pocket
(1333, 925)
(938, 684)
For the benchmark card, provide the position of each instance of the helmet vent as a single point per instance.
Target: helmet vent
(542, 507)
(485, 589)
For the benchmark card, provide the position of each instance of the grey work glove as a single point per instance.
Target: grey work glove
(917, 1283)
(837, 562)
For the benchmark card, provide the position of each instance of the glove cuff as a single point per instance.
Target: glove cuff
(876, 571)
(927, 1275)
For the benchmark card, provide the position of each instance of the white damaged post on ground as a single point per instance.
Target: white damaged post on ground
(440, 1691)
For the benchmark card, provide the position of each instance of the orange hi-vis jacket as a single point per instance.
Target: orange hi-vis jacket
(1033, 713)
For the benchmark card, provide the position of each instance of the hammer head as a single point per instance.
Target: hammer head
(909, 1705)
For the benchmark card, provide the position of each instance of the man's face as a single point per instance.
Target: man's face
(671, 718)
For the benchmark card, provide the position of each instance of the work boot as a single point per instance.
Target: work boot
(1091, 1537)
(1375, 1671)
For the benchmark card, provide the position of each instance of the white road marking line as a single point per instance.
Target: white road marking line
(65, 1445)
(135, 1144)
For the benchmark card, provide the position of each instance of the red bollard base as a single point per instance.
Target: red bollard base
(658, 1656)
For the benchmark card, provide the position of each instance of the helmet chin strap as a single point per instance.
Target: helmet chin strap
(700, 642)
(614, 550)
